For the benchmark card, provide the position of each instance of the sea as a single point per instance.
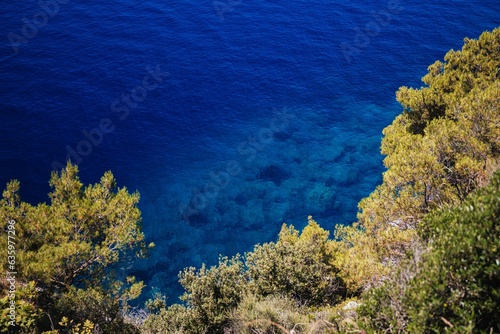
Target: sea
(229, 117)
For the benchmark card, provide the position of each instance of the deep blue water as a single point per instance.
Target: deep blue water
(229, 117)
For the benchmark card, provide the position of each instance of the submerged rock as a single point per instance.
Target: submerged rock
(274, 173)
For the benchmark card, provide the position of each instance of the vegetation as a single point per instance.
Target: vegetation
(299, 267)
(454, 284)
(423, 257)
(65, 253)
(295, 270)
(442, 147)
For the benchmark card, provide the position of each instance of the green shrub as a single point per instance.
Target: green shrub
(458, 287)
(212, 293)
(299, 267)
(270, 290)
(385, 307)
(102, 307)
(177, 319)
(26, 313)
(455, 287)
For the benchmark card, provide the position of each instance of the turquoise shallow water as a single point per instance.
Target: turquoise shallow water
(229, 117)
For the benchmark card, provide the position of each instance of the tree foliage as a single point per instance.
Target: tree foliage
(442, 147)
(66, 250)
(454, 286)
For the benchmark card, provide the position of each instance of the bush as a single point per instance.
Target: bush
(212, 293)
(299, 267)
(269, 291)
(385, 306)
(177, 319)
(459, 283)
(456, 285)
(27, 314)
